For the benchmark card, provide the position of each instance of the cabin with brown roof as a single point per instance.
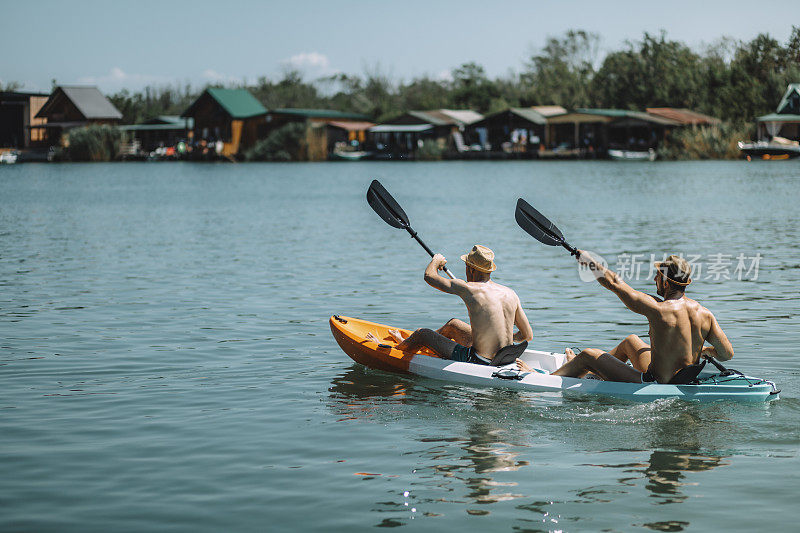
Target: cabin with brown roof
(328, 132)
(683, 116)
(74, 107)
(402, 136)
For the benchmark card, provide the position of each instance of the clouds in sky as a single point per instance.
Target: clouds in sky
(117, 79)
(312, 63)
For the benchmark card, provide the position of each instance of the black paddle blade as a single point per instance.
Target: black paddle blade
(387, 208)
(537, 225)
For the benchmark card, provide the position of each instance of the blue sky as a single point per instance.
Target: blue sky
(132, 44)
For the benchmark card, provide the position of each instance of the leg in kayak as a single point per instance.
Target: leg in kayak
(635, 350)
(458, 330)
(601, 363)
(441, 346)
(427, 338)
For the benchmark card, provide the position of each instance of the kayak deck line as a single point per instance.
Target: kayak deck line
(351, 335)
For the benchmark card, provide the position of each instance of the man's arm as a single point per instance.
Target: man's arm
(720, 345)
(636, 301)
(432, 277)
(525, 332)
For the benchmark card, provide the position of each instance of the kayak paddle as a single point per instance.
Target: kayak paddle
(540, 228)
(390, 211)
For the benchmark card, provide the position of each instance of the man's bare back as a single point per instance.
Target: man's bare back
(493, 311)
(678, 330)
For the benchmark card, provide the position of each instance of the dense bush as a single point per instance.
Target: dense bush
(93, 143)
(430, 151)
(284, 144)
(709, 142)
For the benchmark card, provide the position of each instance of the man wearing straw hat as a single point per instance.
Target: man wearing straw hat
(679, 328)
(493, 310)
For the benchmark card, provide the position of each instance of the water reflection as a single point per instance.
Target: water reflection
(666, 470)
(481, 453)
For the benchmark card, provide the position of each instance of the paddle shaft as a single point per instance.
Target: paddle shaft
(414, 234)
(386, 207)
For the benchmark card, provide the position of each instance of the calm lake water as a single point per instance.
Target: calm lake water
(166, 362)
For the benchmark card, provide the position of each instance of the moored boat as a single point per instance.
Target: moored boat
(9, 157)
(776, 149)
(632, 155)
(351, 335)
(341, 155)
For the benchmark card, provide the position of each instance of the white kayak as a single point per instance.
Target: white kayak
(350, 333)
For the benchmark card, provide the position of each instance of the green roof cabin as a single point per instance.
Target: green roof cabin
(232, 116)
(785, 122)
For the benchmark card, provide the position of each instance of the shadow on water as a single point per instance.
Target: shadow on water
(486, 454)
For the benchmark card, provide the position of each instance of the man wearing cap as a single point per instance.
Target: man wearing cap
(679, 328)
(493, 310)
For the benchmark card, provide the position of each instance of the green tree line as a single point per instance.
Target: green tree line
(730, 79)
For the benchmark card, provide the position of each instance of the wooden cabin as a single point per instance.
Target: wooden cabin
(621, 129)
(785, 122)
(74, 107)
(18, 112)
(231, 116)
(519, 132)
(402, 136)
(327, 130)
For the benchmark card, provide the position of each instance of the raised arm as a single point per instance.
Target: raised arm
(525, 331)
(720, 345)
(636, 301)
(432, 277)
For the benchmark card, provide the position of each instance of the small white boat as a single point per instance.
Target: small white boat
(632, 155)
(350, 333)
(350, 156)
(9, 158)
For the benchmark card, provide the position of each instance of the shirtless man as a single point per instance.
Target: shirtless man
(679, 327)
(493, 310)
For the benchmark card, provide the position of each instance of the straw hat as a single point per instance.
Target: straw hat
(676, 269)
(480, 258)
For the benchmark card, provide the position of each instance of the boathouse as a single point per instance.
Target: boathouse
(232, 117)
(74, 107)
(785, 122)
(328, 131)
(402, 136)
(516, 131)
(160, 131)
(628, 130)
(17, 114)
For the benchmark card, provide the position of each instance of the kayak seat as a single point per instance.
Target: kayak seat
(687, 375)
(509, 354)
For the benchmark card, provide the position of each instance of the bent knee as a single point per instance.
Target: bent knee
(425, 333)
(634, 340)
(590, 353)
